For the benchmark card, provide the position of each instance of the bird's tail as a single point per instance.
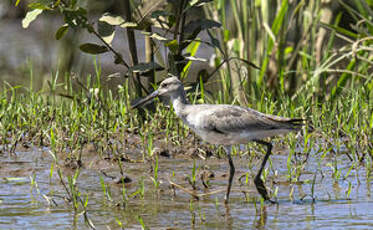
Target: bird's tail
(298, 123)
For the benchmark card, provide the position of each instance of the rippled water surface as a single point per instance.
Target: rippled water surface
(343, 202)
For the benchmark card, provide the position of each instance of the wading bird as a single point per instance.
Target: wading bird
(226, 125)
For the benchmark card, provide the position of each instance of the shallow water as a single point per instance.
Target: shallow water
(24, 207)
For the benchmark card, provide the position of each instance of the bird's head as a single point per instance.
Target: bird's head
(170, 87)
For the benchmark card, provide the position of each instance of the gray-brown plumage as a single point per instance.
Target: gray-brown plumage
(226, 125)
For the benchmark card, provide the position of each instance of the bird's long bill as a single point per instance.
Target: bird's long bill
(145, 99)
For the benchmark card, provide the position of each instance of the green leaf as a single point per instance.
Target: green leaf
(289, 50)
(73, 3)
(144, 67)
(39, 5)
(17, 2)
(62, 31)
(106, 31)
(155, 36)
(117, 21)
(199, 2)
(81, 11)
(201, 24)
(129, 25)
(277, 23)
(193, 48)
(93, 48)
(112, 20)
(173, 46)
(226, 35)
(215, 42)
(340, 30)
(30, 16)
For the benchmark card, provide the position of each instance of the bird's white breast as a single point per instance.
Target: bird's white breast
(195, 120)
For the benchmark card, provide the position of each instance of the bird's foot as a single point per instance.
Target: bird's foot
(272, 201)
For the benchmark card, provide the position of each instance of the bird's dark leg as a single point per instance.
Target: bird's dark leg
(228, 150)
(259, 184)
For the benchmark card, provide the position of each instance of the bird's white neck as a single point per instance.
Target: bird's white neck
(179, 102)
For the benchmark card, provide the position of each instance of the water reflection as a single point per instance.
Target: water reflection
(261, 219)
(228, 218)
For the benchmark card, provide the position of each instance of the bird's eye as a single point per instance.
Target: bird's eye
(165, 85)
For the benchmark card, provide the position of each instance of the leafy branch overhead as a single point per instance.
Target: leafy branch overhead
(171, 20)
